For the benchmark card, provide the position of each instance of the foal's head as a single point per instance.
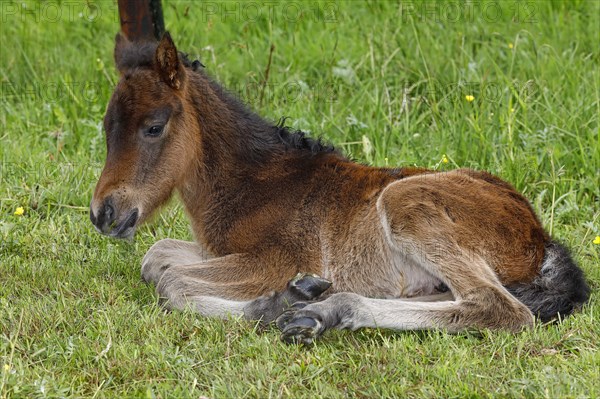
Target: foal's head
(151, 136)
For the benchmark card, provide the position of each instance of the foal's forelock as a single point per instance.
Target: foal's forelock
(129, 55)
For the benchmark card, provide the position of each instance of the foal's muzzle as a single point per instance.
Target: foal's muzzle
(108, 221)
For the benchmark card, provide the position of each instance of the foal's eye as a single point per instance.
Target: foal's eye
(154, 131)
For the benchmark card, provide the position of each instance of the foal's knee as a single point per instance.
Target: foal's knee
(172, 289)
(157, 260)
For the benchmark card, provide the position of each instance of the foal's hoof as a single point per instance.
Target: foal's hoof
(283, 319)
(308, 286)
(302, 329)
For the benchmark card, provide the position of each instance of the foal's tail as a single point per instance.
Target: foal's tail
(559, 289)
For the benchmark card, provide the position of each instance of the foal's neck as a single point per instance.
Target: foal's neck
(230, 131)
(233, 142)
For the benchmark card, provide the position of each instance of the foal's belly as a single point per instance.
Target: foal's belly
(417, 281)
(381, 275)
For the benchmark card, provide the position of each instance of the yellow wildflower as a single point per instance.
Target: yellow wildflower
(6, 367)
(597, 240)
(444, 159)
(469, 98)
(510, 45)
(19, 211)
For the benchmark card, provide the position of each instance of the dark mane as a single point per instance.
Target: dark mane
(194, 65)
(298, 140)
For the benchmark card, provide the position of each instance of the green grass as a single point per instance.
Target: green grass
(388, 85)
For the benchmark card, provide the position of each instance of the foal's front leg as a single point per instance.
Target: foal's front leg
(225, 286)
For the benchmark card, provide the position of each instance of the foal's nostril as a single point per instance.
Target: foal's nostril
(109, 213)
(104, 217)
(113, 221)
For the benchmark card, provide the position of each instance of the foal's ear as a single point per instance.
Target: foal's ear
(122, 46)
(167, 62)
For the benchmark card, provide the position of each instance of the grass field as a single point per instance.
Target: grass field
(390, 84)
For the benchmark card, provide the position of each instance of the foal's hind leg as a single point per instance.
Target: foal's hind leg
(230, 285)
(479, 303)
(480, 300)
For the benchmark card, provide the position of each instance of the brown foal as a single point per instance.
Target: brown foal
(280, 218)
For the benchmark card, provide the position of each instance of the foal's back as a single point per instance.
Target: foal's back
(359, 237)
